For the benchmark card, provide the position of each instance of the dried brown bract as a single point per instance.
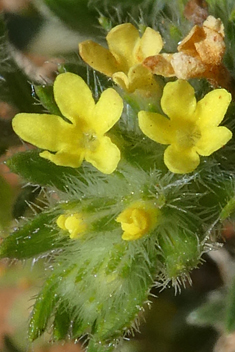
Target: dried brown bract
(199, 55)
(205, 42)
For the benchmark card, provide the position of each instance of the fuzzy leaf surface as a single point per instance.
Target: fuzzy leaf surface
(32, 239)
(31, 167)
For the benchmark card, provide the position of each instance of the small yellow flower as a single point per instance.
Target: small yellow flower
(192, 127)
(123, 60)
(138, 220)
(82, 135)
(73, 223)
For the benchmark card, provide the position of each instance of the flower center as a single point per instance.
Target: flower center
(89, 140)
(187, 135)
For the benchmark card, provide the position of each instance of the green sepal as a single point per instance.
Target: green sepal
(46, 96)
(32, 239)
(62, 323)
(65, 326)
(38, 171)
(181, 251)
(96, 346)
(43, 308)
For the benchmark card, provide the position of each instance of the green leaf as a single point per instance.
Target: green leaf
(34, 238)
(31, 167)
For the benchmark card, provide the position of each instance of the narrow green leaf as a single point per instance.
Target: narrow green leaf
(32, 239)
(31, 167)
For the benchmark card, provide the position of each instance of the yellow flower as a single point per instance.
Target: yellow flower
(82, 134)
(192, 127)
(138, 220)
(73, 223)
(123, 60)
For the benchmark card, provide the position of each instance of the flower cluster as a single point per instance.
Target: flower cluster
(189, 128)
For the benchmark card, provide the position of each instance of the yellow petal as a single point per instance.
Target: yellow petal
(106, 156)
(75, 225)
(73, 97)
(60, 222)
(42, 130)
(107, 111)
(121, 41)
(138, 219)
(98, 57)
(121, 79)
(213, 139)
(211, 109)
(150, 44)
(141, 78)
(178, 100)
(62, 158)
(181, 161)
(135, 222)
(156, 126)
